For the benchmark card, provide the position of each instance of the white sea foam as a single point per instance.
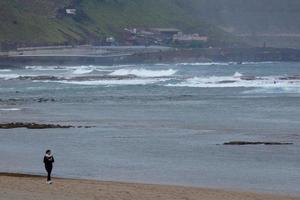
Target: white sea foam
(5, 70)
(83, 70)
(255, 63)
(89, 67)
(69, 71)
(45, 68)
(10, 109)
(206, 63)
(237, 75)
(238, 80)
(144, 72)
(223, 63)
(8, 76)
(113, 82)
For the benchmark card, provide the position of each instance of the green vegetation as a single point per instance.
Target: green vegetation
(43, 22)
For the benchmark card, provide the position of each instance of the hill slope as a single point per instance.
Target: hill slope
(257, 21)
(41, 22)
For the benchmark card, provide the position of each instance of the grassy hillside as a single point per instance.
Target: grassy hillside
(40, 22)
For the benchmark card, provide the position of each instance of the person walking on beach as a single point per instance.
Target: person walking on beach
(48, 161)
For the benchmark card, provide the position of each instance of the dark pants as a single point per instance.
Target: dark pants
(49, 170)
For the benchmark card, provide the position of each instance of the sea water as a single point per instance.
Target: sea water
(157, 123)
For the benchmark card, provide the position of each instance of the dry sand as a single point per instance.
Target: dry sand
(23, 187)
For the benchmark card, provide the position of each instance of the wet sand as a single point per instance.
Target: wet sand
(19, 186)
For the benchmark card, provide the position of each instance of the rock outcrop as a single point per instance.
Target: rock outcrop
(37, 126)
(32, 126)
(255, 143)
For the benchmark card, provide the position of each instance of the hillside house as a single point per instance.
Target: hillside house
(180, 37)
(71, 11)
(150, 36)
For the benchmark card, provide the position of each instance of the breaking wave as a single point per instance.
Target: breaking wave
(223, 63)
(10, 109)
(5, 70)
(239, 80)
(74, 68)
(112, 82)
(144, 73)
(205, 64)
(83, 70)
(44, 68)
(237, 75)
(255, 63)
(8, 76)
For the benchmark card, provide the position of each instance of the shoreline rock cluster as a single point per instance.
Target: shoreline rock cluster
(256, 143)
(169, 55)
(37, 126)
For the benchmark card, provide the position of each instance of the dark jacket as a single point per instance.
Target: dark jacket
(48, 161)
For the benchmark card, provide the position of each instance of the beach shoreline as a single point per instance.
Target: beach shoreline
(124, 55)
(26, 186)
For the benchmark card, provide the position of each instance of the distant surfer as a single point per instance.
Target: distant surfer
(48, 161)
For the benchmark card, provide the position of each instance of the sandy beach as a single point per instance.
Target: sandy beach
(18, 186)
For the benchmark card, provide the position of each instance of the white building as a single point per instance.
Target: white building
(70, 11)
(180, 37)
(110, 40)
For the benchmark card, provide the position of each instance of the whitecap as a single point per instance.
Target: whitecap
(206, 63)
(237, 75)
(10, 109)
(8, 76)
(5, 70)
(255, 63)
(113, 82)
(44, 68)
(238, 80)
(83, 70)
(144, 72)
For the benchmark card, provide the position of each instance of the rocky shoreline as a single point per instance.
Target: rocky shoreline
(240, 143)
(14, 125)
(171, 55)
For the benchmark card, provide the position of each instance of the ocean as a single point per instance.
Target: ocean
(157, 123)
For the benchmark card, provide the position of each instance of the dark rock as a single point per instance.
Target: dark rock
(89, 126)
(291, 78)
(225, 82)
(85, 126)
(39, 78)
(42, 100)
(255, 143)
(248, 78)
(38, 126)
(76, 78)
(32, 126)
